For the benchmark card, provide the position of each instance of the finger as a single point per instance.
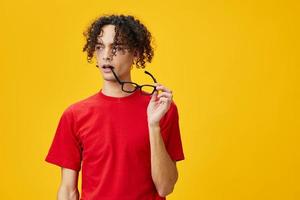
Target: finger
(164, 100)
(157, 84)
(153, 96)
(163, 88)
(165, 94)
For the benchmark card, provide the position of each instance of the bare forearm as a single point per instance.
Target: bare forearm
(163, 169)
(65, 193)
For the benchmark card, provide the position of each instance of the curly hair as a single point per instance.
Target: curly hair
(129, 31)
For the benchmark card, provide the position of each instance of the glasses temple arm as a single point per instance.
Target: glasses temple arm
(146, 72)
(115, 75)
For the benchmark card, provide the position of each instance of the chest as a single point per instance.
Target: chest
(115, 133)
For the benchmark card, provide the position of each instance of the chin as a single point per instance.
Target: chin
(108, 77)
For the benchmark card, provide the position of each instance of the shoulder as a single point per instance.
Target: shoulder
(173, 110)
(171, 114)
(82, 104)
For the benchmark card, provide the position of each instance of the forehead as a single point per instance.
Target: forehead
(107, 34)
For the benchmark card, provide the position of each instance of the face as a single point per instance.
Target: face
(121, 61)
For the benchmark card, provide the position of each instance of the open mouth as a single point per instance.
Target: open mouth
(107, 66)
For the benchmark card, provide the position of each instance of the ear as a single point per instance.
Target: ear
(136, 54)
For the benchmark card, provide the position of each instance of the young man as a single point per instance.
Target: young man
(126, 137)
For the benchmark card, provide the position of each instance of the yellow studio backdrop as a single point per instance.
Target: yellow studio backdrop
(233, 67)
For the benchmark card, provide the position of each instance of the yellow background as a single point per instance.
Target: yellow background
(233, 67)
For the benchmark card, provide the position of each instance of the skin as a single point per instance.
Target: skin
(163, 168)
(122, 62)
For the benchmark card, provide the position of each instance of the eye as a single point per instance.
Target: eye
(97, 47)
(118, 47)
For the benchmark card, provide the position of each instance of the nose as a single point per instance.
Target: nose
(107, 56)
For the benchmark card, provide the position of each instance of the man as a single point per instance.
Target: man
(125, 136)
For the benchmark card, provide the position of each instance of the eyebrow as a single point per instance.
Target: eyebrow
(111, 43)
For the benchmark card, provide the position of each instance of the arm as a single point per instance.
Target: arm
(68, 187)
(163, 168)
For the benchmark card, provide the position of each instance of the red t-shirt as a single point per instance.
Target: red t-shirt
(109, 136)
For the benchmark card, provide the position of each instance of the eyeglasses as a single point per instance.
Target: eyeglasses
(130, 87)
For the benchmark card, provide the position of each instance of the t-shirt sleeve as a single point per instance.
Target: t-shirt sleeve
(171, 130)
(65, 150)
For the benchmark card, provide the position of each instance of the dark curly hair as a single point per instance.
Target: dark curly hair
(129, 31)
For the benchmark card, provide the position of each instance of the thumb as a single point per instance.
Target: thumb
(154, 96)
